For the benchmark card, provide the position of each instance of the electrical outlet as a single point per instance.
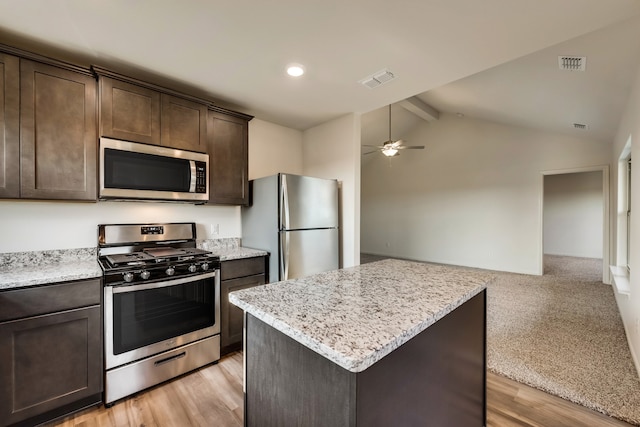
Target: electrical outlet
(215, 229)
(637, 325)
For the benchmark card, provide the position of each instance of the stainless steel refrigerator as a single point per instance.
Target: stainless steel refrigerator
(295, 218)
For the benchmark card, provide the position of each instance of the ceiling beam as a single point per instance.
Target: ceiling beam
(420, 109)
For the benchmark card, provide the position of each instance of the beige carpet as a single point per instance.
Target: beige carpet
(562, 333)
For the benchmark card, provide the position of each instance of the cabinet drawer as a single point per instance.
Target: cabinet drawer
(242, 267)
(20, 303)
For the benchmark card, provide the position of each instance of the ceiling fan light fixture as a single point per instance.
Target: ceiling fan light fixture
(390, 151)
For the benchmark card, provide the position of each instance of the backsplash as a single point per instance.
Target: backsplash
(213, 244)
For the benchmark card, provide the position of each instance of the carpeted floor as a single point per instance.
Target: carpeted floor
(562, 333)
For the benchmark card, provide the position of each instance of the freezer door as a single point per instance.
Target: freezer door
(307, 202)
(306, 252)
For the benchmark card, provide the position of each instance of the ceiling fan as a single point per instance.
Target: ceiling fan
(390, 147)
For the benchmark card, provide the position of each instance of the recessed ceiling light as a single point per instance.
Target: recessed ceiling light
(295, 70)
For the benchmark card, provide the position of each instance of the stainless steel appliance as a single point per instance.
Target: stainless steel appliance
(129, 170)
(296, 219)
(161, 304)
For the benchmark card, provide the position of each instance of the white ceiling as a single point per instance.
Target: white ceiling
(235, 51)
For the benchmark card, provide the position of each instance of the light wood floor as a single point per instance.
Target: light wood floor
(212, 397)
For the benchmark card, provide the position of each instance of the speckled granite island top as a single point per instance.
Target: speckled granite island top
(356, 316)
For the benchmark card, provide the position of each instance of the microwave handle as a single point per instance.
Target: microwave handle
(194, 176)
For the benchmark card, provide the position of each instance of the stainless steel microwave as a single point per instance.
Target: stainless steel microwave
(129, 170)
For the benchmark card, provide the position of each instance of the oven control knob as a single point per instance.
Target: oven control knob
(128, 277)
(145, 275)
(170, 271)
(193, 268)
(205, 266)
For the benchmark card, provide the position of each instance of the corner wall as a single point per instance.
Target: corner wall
(332, 150)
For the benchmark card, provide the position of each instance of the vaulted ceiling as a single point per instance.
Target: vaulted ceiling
(236, 51)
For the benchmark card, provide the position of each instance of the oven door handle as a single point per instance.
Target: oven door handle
(120, 289)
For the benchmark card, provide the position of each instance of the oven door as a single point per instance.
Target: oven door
(146, 319)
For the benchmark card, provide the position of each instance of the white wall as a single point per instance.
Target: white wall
(34, 226)
(573, 214)
(273, 149)
(629, 305)
(332, 150)
(472, 197)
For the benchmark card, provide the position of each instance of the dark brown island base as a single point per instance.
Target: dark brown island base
(391, 343)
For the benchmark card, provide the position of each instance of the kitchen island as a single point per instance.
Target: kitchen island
(387, 343)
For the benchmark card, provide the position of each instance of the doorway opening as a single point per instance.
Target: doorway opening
(575, 217)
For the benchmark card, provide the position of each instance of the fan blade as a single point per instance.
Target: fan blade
(411, 147)
(373, 146)
(370, 152)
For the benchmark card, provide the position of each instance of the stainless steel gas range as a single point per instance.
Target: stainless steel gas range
(161, 304)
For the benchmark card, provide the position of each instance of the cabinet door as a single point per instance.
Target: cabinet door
(9, 126)
(58, 139)
(129, 111)
(231, 317)
(184, 124)
(49, 361)
(228, 159)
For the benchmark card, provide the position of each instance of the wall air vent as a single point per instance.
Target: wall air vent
(580, 126)
(379, 78)
(572, 63)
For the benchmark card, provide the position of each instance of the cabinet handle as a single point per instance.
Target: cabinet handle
(169, 359)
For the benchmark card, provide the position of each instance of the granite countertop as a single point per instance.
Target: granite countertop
(229, 249)
(356, 316)
(238, 253)
(20, 269)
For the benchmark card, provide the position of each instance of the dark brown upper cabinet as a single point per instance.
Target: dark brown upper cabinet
(129, 111)
(184, 124)
(228, 139)
(58, 137)
(9, 126)
(138, 111)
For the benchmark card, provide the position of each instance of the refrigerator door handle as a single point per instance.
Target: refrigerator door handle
(284, 256)
(284, 204)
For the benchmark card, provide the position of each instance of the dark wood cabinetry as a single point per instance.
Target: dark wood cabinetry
(184, 124)
(228, 147)
(137, 111)
(129, 111)
(48, 130)
(236, 275)
(50, 351)
(9, 126)
(58, 147)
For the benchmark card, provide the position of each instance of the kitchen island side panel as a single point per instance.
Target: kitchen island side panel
(436, 378)
(287, 384)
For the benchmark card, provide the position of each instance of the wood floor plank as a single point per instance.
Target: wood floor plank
(212, 396)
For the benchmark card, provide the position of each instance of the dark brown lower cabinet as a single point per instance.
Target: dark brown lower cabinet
(437, 378)
(50, 364)
(236, 275)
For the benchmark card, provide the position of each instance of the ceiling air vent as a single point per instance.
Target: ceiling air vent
(572, 63)
(580, 126)
(379, 78)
